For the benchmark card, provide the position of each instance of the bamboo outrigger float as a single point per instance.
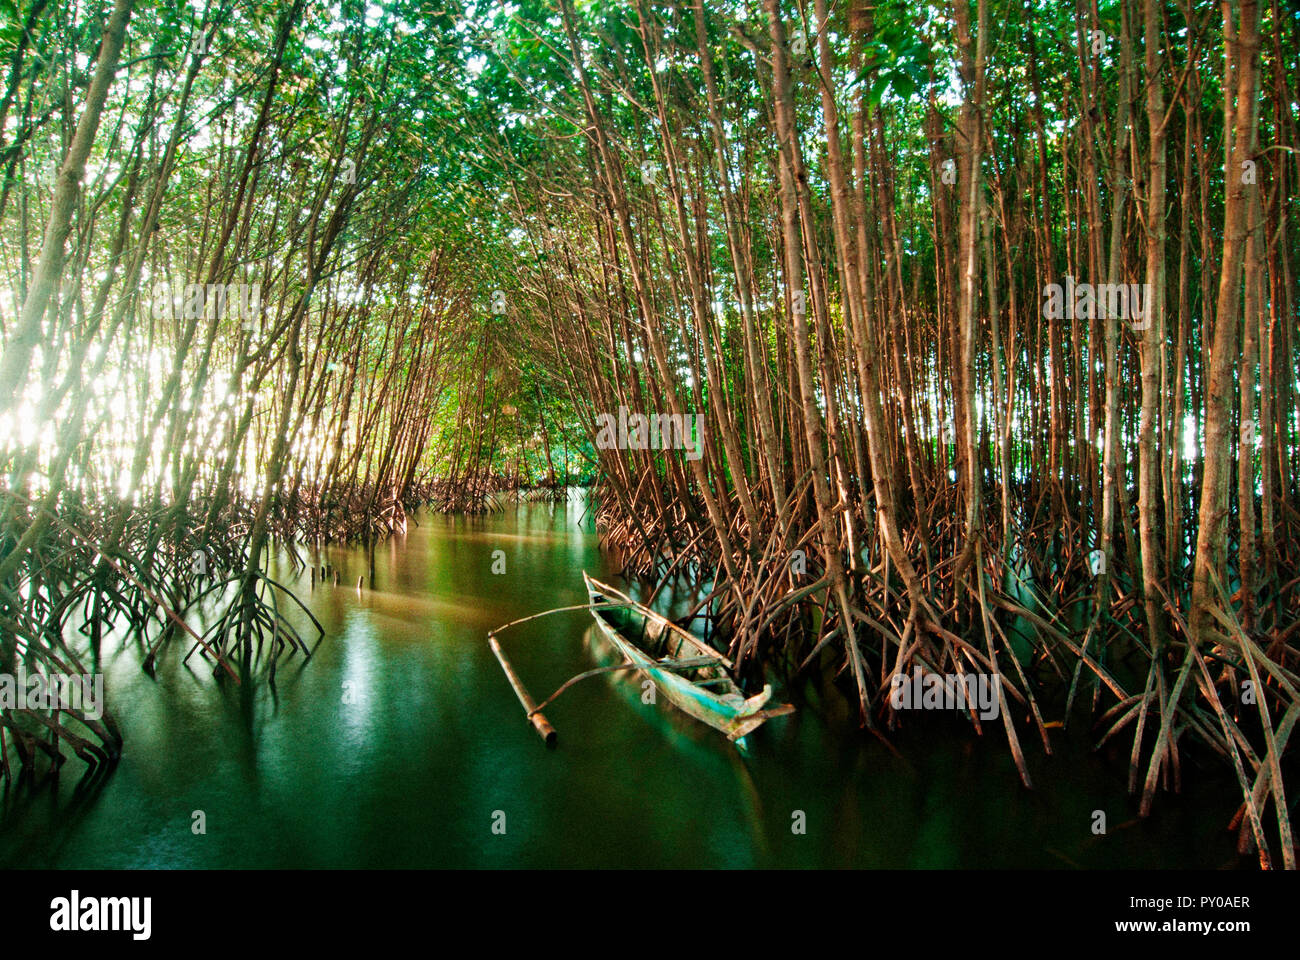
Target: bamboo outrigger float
(700, 684)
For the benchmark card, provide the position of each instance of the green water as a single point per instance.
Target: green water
(433, 749)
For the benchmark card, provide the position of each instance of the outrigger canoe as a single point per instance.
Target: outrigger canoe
(692, 675)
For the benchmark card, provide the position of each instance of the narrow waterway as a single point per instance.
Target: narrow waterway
(400, 744)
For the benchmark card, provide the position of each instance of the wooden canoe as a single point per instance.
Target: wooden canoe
(693, 676)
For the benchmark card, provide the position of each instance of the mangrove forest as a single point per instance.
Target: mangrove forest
(919, 384)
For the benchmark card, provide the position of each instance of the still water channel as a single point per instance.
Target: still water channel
(400, 744)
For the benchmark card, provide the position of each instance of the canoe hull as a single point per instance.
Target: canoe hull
(732, 715)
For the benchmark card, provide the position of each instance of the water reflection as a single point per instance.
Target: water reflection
(398, 741)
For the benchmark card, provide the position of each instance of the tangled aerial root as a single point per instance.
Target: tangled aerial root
(1026, 613)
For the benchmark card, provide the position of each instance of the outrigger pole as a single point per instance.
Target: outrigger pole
(531, 710)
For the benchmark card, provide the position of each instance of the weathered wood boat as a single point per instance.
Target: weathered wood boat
(688, 672)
